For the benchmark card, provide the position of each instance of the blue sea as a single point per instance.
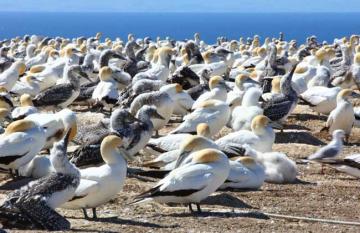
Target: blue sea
(326, 26)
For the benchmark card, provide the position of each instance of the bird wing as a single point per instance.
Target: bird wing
(325, 152)
(54, 96)
(85, 188)
(14, 146)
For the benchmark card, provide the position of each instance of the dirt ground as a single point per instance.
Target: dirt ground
(331, 195)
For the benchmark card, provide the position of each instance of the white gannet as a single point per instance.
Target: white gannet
(36, 202)
(245, 173)
(218, 91)
(261, 137)
(278, 167)
(349, 165)
(99, 185)
(215, 113)
(26, 108)
(342, 117)
(191, 182)
(321, 99)
(182, 100)
(22, 140)
(28, 85)
(242, 116)
(106, 91)
(9, 77)
(331, 150)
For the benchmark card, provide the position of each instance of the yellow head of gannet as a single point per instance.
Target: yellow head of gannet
(320, 54)
(110, 148)
(21, 68)
(206, 156)
(36, 69)
(25, 100)
(207, 56)
(240, 79)
(300, 69)
(178, 88)
(203, 129)
(259, 123)
(247, 161)
(19, 126)
(344, 94)
(69, 51)
(261, 52)
(216, 81)
(105, 73)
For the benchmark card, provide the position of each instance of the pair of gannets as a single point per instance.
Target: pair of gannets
(35, 203)
(192, 182)
(215, 113)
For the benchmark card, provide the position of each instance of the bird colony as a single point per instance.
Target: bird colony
(79, 117)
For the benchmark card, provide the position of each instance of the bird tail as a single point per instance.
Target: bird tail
(306, 102)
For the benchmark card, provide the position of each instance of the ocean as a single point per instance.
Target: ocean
(326, 26)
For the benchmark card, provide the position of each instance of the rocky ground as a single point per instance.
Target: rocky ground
(331, 195)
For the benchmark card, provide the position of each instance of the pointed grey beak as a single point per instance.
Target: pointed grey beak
(119, 56)
(355, 95)
(181, 158)
(158, 116)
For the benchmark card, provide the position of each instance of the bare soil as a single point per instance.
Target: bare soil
(331, 195)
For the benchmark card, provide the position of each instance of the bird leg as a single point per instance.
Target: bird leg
(94, 213)
(156, 134)
(85, 213)
(198, 208)
(190, 208)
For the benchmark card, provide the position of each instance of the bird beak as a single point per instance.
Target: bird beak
(158, 116)
(127, 156)
(276, 125)
(119, 56)
(227, 87)
(85, 75)
(181, 158)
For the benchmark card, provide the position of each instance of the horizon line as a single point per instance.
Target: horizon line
(176, 12)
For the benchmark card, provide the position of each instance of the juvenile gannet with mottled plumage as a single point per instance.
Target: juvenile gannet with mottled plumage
(192, 182)
(218, 91)
(242, 116)
(28, 85)
(21, 141)
(161, 100)
(245, 173)
(9, 77)
(213, 112)
(321, 99)
(99, 185)
(261, 137)
(26, 108)
(278, 167)
(61, 95)
(35, 203)
(342, 117)
(331, 150)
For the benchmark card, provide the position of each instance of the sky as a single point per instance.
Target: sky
(181, 5)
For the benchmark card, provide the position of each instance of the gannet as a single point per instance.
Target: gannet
(321, 99)
(278, 167)
(261, 137)
(218, 91)
(213, 112)
(342, 117)
(245, 173)
(106, 91)
(242, 116)
(161, 100)
(182, 100)
(35, 203)
(61, 95)
(26, 108)
(39, 58)
(99, 185)
(279, 108)
(331, 150)
(28, 85)
(9, 77)
(22, 140)
(191, 182)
